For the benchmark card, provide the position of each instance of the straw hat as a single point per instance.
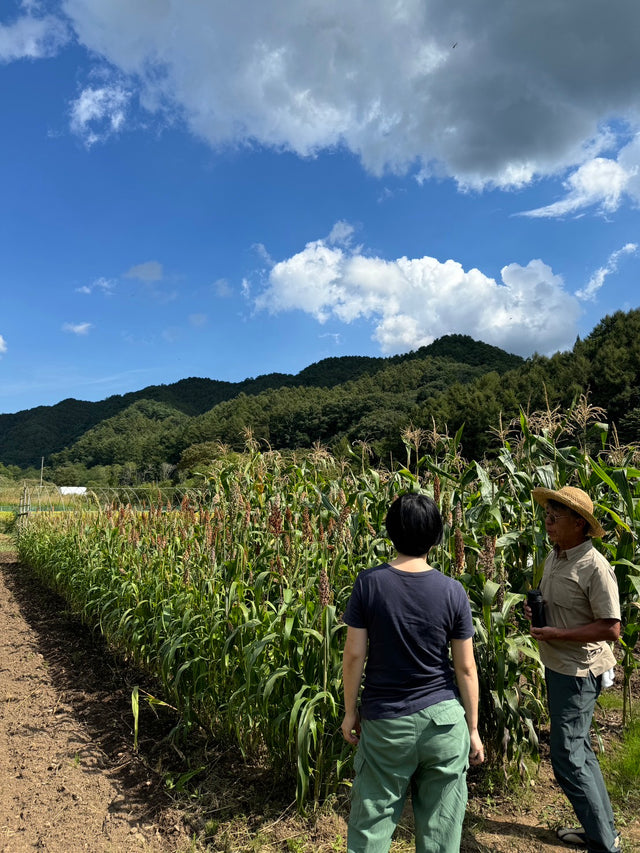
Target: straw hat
(575, 499)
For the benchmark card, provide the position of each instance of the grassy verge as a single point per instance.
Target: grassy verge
(6, 544)
(621, 767)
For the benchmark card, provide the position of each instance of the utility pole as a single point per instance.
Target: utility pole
(41, 470)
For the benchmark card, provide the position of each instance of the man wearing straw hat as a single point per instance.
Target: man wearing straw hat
(582, 610)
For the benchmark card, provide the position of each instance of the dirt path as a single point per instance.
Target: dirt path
(68, 779)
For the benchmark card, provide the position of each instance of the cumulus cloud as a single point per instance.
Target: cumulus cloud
(99, 112)
(597, 279)
(600, 182)
(629, 160)
(3, 345)
(32, 37)
(486, 92)
(410, 302)
(77, 328)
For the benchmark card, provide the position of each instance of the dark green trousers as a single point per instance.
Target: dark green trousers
(426, 752)
(572, 701)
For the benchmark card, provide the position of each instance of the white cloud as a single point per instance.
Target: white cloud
(341, 234)
(106, 285)
(77, 328)
(152, 275)
(32, 37)
(148, 272)
(597, 279)
(410, 302)
(487, 92)
(599, 182)
(3, 345)
(629, 160)
(99, 113)
(334, 337)
(222, 288)
(198, 320)
(261, 251)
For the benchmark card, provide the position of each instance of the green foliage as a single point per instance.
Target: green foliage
(7, 521)
(122, 430)
(453, 382)
(144, 433)
(621, 767)
(234, 602)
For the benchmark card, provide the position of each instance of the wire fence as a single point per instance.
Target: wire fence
(24, 499)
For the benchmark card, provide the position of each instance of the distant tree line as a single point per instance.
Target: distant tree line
(165, 433)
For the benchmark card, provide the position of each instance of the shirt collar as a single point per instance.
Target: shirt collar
(577, 551)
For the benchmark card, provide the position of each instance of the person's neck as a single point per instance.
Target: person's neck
(405, 563)
(569, 543)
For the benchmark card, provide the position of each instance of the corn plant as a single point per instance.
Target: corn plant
(233, 599)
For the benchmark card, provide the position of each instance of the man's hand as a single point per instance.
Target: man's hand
(593, 632)
(351, 728)
(546, 633)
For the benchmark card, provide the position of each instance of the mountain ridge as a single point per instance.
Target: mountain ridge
(28, 435)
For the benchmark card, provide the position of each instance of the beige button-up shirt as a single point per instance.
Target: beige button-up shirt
(578, 587)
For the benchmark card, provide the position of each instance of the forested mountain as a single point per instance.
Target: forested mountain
(28, 435)
(175, 429)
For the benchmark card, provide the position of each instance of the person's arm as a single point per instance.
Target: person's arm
(592, 632)
(464, 665)
(353, 658)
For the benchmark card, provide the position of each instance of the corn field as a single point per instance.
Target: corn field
(233, 600)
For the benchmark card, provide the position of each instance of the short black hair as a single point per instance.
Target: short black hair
(414, 524)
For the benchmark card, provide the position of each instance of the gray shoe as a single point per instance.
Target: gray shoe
(578, 838)
(572, 837)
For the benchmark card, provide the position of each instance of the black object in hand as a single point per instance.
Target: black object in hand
(535, 602)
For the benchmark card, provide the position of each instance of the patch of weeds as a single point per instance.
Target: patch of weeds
(7, 545)
(210, 829)
(610, 700)
(7, 522)
(493, 783)
(192, 847)
(621, 766)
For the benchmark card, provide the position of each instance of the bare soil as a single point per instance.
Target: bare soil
(70, 779)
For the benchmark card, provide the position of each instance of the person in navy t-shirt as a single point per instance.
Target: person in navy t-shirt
(417, 726)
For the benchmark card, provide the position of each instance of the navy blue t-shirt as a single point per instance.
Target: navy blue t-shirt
(410, 618)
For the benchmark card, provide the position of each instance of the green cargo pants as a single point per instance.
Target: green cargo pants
(428, 752)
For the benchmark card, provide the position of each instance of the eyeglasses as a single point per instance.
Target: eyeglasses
(553, 516)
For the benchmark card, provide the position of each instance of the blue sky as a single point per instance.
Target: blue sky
(226, 190)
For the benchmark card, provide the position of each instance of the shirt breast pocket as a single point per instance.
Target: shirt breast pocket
(569, 597)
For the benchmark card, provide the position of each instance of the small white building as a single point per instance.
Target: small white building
(72, 490)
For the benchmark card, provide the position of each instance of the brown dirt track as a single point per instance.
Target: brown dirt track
(70, 780)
